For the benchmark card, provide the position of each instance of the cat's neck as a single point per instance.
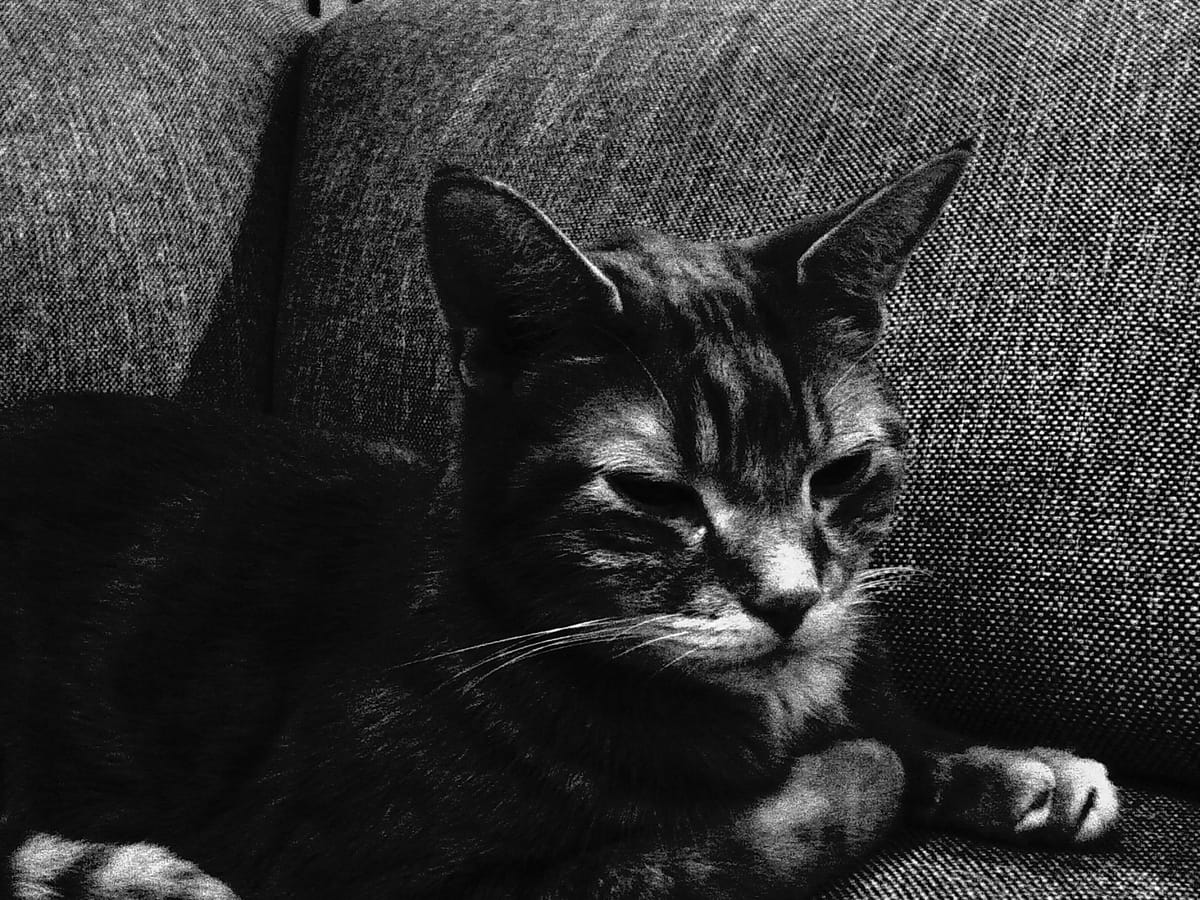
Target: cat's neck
(613, 727)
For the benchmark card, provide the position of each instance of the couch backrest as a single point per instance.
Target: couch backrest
(1045, 338)
(145, 152)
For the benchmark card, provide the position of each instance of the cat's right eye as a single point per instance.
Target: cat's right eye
(669, 499)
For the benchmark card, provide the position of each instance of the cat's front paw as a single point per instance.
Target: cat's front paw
(1039, 795)
(833, 808)
(47, 866)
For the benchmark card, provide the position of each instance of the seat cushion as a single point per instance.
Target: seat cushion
(144, 160)
(1044, 338)
(1156, 857)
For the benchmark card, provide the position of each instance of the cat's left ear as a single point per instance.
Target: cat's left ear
(507, 279)
(861, 252)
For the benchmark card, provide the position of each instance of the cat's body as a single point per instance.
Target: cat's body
(616, 649)
(257, 678)
(249, 571)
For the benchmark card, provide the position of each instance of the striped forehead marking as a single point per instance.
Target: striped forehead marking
(744, 417)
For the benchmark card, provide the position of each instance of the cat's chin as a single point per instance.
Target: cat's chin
(759, 662)
(789, 684)
(742, 653)
(708, 650)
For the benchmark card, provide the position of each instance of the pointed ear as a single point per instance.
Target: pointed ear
(782, 248)
(859, 258)
(506, 277)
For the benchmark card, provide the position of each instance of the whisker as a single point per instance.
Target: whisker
(879, 585)
(871, 582)
(537, 645)
(655, 640)
(863, 606)
(680, 658)
(535, 648)
(517, 637)
(518, 653)
(893, 571)
(548, 647)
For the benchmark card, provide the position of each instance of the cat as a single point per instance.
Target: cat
(618, 646)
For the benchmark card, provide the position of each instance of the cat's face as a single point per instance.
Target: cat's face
(727, 466)
(687, 445)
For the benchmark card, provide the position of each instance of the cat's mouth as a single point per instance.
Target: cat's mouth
(734, 641)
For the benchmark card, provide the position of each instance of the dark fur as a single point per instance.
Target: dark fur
(242, 642)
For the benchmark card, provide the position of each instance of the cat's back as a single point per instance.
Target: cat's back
(170, 577)
(151, 440)
(97, 469)
(143, 489)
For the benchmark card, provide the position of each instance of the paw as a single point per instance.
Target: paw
(1038, 795)
(47, 867)
(840, 801)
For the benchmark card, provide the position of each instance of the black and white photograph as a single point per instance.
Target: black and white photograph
(599, 450)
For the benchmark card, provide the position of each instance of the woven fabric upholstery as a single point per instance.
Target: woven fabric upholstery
(1157, 858)
(1044, 338)
(144, 158)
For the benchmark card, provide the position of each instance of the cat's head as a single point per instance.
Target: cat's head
(688, 445)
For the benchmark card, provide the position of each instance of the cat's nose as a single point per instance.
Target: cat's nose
(783, 610)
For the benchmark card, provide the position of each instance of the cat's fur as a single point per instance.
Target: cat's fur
(621, 650)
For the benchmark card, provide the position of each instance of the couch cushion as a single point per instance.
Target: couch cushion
(144, 158)
(1156, 857)
(1044, 338)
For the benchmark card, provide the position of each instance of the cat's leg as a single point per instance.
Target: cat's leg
(833, 809)
(1027, 795)
(1037, 795)
(48, 867)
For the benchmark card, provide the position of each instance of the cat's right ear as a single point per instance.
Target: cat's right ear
(506, 277)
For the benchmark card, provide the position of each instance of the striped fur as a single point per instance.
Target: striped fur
(621, 650)
(49, 867)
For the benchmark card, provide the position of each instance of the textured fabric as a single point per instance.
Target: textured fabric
(144, 158)
(1157, 857)
(1044, 338)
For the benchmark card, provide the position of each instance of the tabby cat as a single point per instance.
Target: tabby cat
(619, 648)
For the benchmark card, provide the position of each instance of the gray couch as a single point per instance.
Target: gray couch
(220, 201)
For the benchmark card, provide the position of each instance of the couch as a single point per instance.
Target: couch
(220, 201)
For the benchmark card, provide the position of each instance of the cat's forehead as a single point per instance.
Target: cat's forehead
(736, 390)
(665, 280)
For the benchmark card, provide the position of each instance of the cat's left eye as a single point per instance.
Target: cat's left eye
(841, 475)
(654, 495)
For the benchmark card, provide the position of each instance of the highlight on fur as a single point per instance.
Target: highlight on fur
(50, 867)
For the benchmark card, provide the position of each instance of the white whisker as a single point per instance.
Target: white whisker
(538, 650)
(680, 658)
(655, 640)
(891, 572)
(517, 637)
(535, 648)
(870, 582)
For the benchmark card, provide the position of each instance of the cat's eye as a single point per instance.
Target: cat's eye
(841, 475)
(655, 495)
